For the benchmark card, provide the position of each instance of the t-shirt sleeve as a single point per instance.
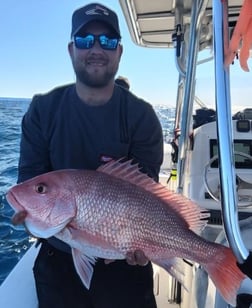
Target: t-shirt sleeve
(147, 142)
(34, 150)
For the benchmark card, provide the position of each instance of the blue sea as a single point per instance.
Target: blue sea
(14, 241)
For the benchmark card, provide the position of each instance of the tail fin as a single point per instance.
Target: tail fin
(225, 274)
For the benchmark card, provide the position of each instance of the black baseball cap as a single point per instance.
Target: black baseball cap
(94, 12)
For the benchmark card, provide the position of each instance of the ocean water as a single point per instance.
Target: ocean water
(14, 241)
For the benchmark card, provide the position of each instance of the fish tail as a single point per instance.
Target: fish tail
(225, 274)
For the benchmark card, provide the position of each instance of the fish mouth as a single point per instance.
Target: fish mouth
(20, 215)
(13, 201)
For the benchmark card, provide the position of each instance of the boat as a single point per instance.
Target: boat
(207, 138)
(210, 158)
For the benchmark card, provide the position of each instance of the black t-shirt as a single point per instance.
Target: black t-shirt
(60, 131)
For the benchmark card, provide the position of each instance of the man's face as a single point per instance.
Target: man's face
(95, 67)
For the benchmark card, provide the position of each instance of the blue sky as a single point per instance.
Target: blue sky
(34, 59)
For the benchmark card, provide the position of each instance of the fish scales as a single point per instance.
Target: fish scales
(138, 212)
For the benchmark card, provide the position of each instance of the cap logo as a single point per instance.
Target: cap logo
(98, 10)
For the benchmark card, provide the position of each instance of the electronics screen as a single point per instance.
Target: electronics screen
(241, 162)
(243, 126)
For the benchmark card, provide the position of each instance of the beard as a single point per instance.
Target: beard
(95, 80)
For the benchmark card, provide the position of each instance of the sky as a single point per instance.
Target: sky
(34, 59)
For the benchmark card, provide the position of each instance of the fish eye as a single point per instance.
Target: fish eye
(41, 188)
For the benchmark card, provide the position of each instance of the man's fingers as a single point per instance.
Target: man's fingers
(136, 257)
(141, 259)
(130, 258)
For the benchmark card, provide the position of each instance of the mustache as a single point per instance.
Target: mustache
(97, 58)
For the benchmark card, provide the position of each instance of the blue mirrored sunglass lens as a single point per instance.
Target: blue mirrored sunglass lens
(88, 41)
(108, 43)
(84, 42)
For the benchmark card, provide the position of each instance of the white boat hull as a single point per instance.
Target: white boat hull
(18, 289)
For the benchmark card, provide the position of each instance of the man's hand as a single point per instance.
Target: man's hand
(136, 257)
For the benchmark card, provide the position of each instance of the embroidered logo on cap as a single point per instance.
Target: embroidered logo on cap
(98, 10)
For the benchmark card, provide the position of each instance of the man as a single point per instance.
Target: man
(84, 125)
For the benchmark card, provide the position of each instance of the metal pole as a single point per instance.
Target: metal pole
(225, 133)
(198, 7)
(188, 94)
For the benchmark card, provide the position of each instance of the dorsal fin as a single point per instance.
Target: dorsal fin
(191, 212)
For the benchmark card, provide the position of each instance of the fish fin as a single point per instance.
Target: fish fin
(84, 266)
(173, 267)
(225, 274)
(192, 213)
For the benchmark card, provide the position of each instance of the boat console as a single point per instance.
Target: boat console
(202, 177)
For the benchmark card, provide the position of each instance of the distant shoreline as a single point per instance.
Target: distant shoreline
(15, 99)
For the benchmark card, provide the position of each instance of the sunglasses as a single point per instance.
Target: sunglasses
(88, 41)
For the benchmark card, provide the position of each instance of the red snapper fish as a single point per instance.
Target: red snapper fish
(116, 209)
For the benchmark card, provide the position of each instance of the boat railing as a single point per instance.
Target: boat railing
(229, 200)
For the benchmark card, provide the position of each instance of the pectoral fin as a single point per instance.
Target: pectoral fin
(84, 266)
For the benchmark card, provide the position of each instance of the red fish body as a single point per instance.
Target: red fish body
(115, 210)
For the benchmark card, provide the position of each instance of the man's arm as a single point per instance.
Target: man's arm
(147, 143)
(34, 154)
